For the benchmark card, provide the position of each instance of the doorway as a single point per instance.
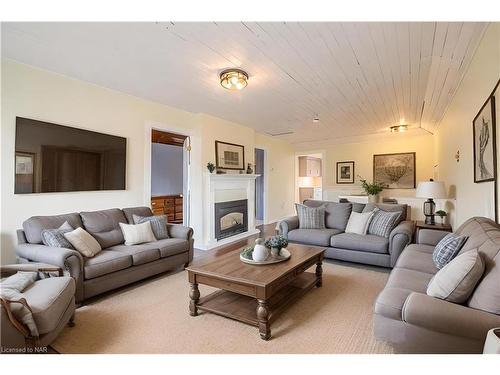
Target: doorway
(259, 186)
(170, 175)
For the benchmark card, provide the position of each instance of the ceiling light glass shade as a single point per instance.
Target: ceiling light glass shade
(399, 128)
(431, 189)
(234, 79)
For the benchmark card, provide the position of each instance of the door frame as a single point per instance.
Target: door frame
(149, 126)
(266, 181)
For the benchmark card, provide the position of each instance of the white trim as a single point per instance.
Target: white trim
(149, 126)
(266, 180)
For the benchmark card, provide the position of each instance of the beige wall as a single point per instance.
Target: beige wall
(280, 181)
(34, 93)
(455, 132)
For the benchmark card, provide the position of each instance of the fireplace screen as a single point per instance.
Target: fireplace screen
(230, 218)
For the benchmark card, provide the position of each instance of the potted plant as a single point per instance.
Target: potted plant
(442, 214)
(211, 167)
(371, 189)
(276, 243)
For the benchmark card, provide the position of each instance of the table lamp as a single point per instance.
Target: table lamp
(430, 190)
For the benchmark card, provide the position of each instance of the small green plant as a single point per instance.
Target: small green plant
(371, 188)
(441, 213)
(278, 242)
(247, 252)
(210, 166)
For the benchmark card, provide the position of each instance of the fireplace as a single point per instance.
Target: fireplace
(231, 218)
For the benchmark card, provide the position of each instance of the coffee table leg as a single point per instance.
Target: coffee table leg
(263, 317)
(319, 274)
(194, 295)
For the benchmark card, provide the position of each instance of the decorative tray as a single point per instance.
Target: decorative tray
(246, 257)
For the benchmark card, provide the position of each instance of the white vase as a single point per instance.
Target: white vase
(373, 198)
(260, 252)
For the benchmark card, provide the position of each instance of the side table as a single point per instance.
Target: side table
(422, 225)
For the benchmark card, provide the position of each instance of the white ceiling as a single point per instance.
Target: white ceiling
(360, 78)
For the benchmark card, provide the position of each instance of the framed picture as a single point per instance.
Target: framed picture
(24, 173)
(396, 171)
(229, 155)
(484, 138)
(345, 172)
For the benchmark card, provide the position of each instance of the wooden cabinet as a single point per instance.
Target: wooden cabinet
(169, 205)
(309, 166)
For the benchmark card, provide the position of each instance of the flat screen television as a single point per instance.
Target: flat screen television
(56, 158)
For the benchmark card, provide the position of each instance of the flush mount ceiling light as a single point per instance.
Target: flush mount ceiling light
(233, 79)
(316, 119)
(399, 128)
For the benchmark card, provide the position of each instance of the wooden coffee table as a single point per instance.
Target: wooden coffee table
(254, 294)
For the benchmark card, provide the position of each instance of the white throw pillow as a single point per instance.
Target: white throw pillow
(83, 242)
(456, 281)
(359, 222)
(137, 233)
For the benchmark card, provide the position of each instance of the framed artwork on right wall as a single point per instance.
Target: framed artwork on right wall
(484, 146)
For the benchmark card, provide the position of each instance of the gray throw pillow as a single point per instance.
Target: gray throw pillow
(383, 222)
(158, 224)
(447, 248)
(310, 217)
(55, 237)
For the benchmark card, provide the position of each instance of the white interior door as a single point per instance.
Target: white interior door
(186, 201)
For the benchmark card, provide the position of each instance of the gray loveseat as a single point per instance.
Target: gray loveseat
(117, 264)
(417, 323)
(368, 249)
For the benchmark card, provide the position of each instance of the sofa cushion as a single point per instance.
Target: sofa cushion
(358, 222)
(158, 224)
(105, 226)
(369, 242)
(447, 248)
(143, 253)
(336, 214)
(34, 225)
(403, 278)
(382, 222)
(403, 208)
(129, 213)
(456, 280)
(49, 299)
(310, 217)
(413, 258)
(318, 237)
(55, 237)
(172, 246)
(136, 234)
(83, 242)
(106, 262)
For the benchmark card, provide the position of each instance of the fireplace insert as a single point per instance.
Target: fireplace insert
(231, 218)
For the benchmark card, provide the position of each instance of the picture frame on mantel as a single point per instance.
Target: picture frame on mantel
(229, 156)
(345, 172)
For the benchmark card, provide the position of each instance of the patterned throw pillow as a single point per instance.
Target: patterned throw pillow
(383, 222)
(55, 237)
(447, 248)
(158, 225)
(310, 217)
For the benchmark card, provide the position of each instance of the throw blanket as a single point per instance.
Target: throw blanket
(11, 289)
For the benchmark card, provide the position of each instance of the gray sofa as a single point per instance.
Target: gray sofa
(117, 264)
(417, 323)
(368, 249)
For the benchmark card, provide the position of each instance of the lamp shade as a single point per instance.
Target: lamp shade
(431, 189)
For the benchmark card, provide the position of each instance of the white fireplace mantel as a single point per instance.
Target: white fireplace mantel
(224, 188)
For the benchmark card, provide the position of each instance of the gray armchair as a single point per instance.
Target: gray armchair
(51, 300)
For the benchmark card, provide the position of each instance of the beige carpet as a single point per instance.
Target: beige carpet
(152, 317)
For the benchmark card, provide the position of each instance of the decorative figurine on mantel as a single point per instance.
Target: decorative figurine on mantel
(249, 168)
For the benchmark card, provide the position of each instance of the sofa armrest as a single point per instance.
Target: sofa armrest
(430, 237)
(286, 225)
(11, 269)
(449, 318)
(180, 231)
(69, 260)
(185, 233)
(400, 237)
